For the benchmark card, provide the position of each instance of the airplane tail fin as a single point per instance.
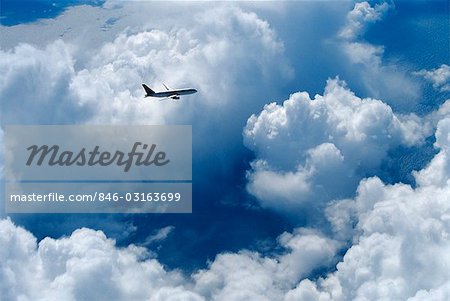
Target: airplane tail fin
(148, 90)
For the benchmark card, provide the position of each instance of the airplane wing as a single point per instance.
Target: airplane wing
(166, 94)
(167, 88)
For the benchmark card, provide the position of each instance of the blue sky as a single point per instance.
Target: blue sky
(320, 139)
(25, 11)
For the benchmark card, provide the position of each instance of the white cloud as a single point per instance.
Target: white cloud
(439, 77)
(91, 76)
(305, 145)
(178, 293)
(34, 84)
(399, 234)
(438, 171)
(400, 244)
(210, 56)
(89, 266)
(360, 16)
(207, 48)
(398, 238)
(84, 266)
(159, 235)
(379, 78)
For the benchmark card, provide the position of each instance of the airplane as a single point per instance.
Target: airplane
(173, 94)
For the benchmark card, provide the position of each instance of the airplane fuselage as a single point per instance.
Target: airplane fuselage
(174, 94)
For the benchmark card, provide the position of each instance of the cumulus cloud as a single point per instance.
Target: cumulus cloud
(35, 84)
(84, 266)
(210, 55)
(307, 149)
(360, 16)
(2, 172)
(250, 276)
(212, 60)
(379, 78)
(398, 250)
(89, 266)
(439, 77)
(400, 243)
(319, 149)
(209, 47)
(437, 173)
